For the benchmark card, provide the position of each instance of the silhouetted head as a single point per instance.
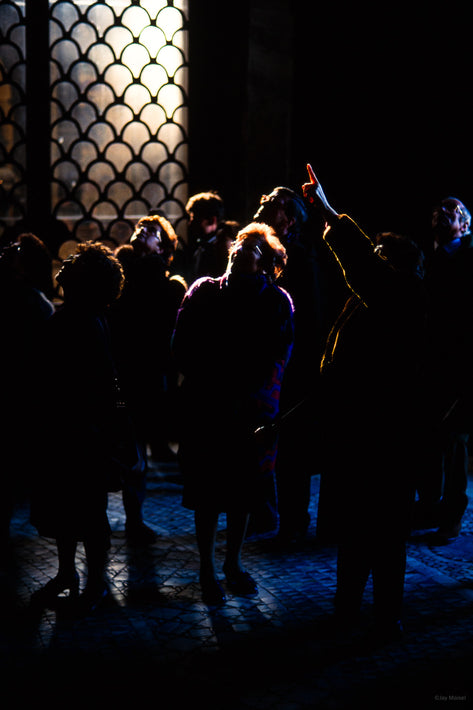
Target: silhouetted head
(284, 210)
(205, 210)
(92, 278)
(402, 253)
(257, 249)
(154, 234)
(450, 220)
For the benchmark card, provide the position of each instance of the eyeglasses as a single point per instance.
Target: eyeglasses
(252, 247)
(448, 209)
(148, 233)
(273, 199)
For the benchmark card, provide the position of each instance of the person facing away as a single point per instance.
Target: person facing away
(442, 485)
(284, 210)
(370, 373)
(141, 324)
(78, 425)
(232, 342)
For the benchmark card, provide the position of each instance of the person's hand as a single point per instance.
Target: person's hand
(313, 192)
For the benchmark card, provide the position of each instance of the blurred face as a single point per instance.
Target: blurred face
(246, 257)
(272, 211)
(446, 221)
(149, 238)
(203, 227)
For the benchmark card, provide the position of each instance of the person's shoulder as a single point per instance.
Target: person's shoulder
(282, 295)
(203, 286)
(466, 246)
(178, 283)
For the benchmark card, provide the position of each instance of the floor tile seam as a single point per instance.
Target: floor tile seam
(439, 577)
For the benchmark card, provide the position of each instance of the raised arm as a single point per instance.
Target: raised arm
(314, 193)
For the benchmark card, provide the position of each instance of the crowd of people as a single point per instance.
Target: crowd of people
(267, 352)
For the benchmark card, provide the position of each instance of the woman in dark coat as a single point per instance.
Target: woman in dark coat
(78, 402)
(232, 341)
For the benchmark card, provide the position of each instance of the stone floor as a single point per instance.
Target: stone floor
(156, 643)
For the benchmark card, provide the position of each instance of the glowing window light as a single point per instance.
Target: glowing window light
(127, 64)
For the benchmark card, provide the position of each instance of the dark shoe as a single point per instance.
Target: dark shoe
(387, 632)
(140, 534)
(163, 454)
(426, 516)
(337, 626)
(294, 531)
(50, 595)
(444, 535)
(240, 582)
(92, 599)
(212, 591)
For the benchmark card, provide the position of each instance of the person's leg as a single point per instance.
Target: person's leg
(237, 523)
(66, 550)
(389, 567)
(206, 531)
(429, 481)
(353, 568)
(239, 581)
(96, 556)
(133, 496)
(455, 499)
(67, 578)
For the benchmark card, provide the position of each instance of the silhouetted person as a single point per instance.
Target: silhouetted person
(80, 437)
(141, 324)
(370, 373)
(211, 257)
(205, 211)
(25, 279)
(284, 210)
(232, 340)
(448, 372)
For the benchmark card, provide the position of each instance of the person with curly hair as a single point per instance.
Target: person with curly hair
(78, 403)
(232, 341)
(141, 325)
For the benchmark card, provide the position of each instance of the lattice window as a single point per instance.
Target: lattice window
(118, 82)
(12, 113)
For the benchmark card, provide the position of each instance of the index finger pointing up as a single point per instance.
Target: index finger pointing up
(312, 177)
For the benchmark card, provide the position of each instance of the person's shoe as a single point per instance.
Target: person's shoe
(92, 599)
(240, 582)
(387, 632)
(337, 625)
(50, 595)
(163, 454)
(212, 591)
(444, 535)
(140, 534)
(426, 516)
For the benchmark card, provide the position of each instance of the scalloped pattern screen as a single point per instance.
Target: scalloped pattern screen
(119, 79)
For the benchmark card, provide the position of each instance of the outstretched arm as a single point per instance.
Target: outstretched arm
(364, 271)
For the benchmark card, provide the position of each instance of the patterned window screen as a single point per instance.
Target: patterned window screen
(12, 113)
(118, 112)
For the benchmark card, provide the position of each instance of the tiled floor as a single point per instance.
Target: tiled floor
(157, 644)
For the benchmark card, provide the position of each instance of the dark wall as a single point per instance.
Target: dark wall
(378, 100)
(218, 60)
(388, 92)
